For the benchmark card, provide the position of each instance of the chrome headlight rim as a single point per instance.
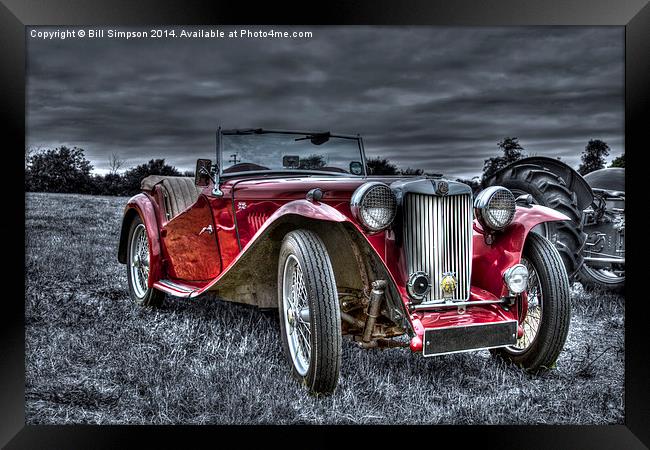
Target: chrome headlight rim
(357, 204)
(516, 270)
(482, 207)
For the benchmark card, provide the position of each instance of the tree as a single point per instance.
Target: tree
(62, 169)
(109, 184)
(133, 176)
(411, 171)
(512, 151)
(312, 162)
(619, 161)
(474, 183)
(115, 163)
(593, 156)
(381, 166)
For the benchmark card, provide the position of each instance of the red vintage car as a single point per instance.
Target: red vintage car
(295, 221)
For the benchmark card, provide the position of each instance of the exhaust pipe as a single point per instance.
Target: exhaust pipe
(374, 307)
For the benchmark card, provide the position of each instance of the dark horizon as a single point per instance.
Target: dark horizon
(438, 98)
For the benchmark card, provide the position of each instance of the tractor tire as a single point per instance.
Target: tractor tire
(549, 189)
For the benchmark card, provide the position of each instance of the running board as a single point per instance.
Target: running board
(177, 289)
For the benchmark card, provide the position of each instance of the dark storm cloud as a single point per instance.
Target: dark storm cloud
(430, 97)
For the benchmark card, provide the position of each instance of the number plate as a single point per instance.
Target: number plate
(440, 341)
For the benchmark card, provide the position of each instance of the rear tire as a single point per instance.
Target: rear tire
(310, 320)
(137, 267)
(551, 302)
(591, 280)
(549, 189)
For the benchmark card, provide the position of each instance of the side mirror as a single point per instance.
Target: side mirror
(202, 175)
(356, 168)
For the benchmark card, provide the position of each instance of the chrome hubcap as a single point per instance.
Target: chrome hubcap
(532, 322)
(139, 261)
(295, 308)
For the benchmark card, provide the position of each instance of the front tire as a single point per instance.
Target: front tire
(546, 323)
(137, 266)
(310, 321)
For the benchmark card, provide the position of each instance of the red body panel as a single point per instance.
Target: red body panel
(250, 206)
(192, 256)
(490, 261)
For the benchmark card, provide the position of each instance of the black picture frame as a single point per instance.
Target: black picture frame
(15, 15)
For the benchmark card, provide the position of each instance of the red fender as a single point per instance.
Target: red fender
(304, 208)
(144, 207)
(491, 261)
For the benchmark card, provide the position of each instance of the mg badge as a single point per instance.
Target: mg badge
(442, 188)
(448, 284)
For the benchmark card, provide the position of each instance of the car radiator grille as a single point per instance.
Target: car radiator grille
(438, 239)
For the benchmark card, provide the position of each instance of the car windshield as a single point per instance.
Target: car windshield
(257, 150)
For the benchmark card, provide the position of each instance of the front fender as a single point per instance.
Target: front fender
(306, 208)
(143, 206)
(287, 216)
(491, 261)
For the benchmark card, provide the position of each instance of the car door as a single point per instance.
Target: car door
(191, 244)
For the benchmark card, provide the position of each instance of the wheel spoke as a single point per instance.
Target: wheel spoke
(532, 322)
(139, 261)
(295, 301)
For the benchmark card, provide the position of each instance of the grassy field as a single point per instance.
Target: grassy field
(94, 357)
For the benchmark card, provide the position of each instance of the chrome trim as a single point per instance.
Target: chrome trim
(482, 201)
(508, 274)
(207, 229)
(605, 260)
(411, 281)
(438, 239)
(432, 306)
(357, 200)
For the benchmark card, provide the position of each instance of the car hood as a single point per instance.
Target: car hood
(295, 187)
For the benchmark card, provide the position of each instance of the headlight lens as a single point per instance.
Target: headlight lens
(516, 278)
(374, 205)
(494, 207)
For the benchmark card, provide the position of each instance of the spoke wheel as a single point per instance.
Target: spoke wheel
(534, 299)
(296, 322)
(139, 259)
(310, 322)
(545, 308)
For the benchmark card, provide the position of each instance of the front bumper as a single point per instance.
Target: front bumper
(464, 338)
(483, 322)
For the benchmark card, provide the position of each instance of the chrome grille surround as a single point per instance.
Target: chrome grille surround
(438, 239)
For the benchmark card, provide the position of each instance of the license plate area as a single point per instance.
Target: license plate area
(464, 338)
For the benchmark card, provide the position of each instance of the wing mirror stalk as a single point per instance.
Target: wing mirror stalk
(203, 176)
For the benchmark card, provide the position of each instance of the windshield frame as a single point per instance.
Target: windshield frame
(240, 131)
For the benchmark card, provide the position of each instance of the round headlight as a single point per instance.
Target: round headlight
(516, 278)
(494, 207)
(374, 205)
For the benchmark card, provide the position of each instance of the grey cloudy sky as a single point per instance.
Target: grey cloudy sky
(433, 97)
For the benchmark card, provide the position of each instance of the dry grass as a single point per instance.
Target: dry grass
(94, 357)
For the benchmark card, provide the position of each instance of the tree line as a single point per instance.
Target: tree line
(67, 170)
